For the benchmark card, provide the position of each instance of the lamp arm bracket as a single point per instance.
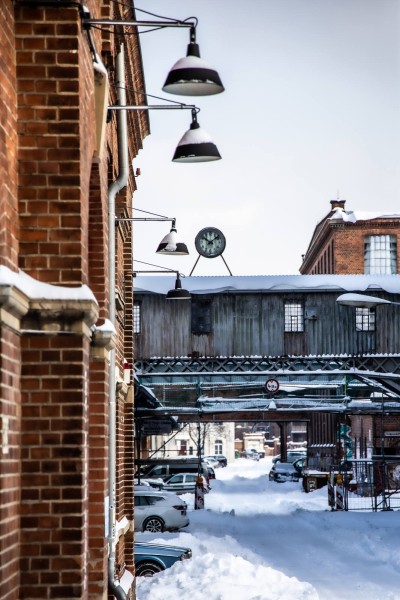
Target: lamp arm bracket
(124, 219)
(191, 107)
(166, 269)
(129, 23)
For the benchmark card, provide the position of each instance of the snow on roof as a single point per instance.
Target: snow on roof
(360, 215)
(37, 290)
(269, 283)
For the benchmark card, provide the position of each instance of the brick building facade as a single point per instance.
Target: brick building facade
(63, 534)
(354, 242)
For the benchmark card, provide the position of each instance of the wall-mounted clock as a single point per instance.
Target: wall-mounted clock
(210, 242)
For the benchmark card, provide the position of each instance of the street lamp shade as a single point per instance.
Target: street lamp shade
(178, 293)
(170, 245)
(196, 145)
(192, 76)
(361, 301)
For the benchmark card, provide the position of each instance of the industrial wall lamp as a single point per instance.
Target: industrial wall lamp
(362, 301)
(178, 293)
(169, 245)
(195, 145)
(189, 76)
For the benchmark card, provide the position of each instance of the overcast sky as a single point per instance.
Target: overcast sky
(311, 111)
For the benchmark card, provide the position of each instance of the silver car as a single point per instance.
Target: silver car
(158, 511)
(282, 472)
(182, 483)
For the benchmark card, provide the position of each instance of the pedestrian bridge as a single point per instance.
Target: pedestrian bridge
(234, 388)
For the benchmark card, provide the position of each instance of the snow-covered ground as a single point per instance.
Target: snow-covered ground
(261, 540)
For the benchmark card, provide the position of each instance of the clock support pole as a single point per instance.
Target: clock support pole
(198, 258)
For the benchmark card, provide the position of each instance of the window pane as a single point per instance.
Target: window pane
(380, 255)
(137, 318)
(154, 499)
(201, 316)
(365, 319)
(294, 319)
(218, 446)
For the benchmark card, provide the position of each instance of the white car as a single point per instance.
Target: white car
(211, 461)
(153, 483)
(159, 511)
(183, 483)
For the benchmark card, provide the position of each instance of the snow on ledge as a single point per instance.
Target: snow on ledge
(37, 290)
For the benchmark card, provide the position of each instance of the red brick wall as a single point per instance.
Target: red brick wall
(10, 361)
(54, 465)
(8, 141)
(54, 226)
(10, 358)
(98, 477)
(56, 144)
(347, 243)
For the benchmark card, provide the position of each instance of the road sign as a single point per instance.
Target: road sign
(271, 386)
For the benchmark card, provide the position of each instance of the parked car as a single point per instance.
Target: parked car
(147, 482)
(152, 558)
(281, 472)
(252, 454)
(158, 511)
(210, 473)
(211, 462)
(183, 483)
(219, 459)
(299, 464)
(291, 455)
(163, 470)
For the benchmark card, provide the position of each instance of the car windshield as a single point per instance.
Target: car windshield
(284, 467)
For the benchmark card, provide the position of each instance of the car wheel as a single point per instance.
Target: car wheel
(147, 569)
(154, 524)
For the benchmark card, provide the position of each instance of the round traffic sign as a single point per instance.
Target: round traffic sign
(272, 386)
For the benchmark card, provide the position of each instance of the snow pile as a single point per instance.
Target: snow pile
(261, 540)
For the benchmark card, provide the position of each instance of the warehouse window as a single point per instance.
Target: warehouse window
(201, 316)
(380, 255)
(365, 319)
(294, 316)
(137, 318)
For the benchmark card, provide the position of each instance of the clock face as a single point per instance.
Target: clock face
(210, 242)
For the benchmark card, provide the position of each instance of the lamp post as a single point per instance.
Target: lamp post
(178, 293)
(169, 245)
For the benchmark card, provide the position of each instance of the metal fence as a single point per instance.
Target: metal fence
(366, 484)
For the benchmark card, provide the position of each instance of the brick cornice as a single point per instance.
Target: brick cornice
(13, 305)
(27, 303)
(75, 316)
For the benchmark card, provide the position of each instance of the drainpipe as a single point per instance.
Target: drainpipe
(115, 187)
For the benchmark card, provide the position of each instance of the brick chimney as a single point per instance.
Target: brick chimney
(337, 204)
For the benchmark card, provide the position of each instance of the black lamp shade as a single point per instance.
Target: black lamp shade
(192, 76)
(180, 249)
(178, 293)
(196, 146)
